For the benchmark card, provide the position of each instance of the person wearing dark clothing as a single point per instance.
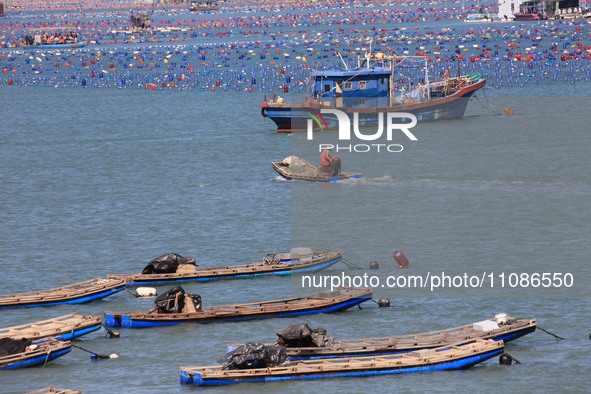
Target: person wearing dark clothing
(330, 165)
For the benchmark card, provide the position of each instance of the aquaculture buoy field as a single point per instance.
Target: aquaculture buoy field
(142, 142)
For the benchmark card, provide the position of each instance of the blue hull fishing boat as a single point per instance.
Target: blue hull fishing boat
(76, 293)
(297, 261)
(336, 300)
(443, 358)
(42, 354)
(371, 90)
(501, 328)
(63, 328)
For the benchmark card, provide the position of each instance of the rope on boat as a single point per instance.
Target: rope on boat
(100, 356)
(46, 358)
(111, 334)
(131, 292)
(350, 264)
(488, 105)
(520, 102)
(548, 332)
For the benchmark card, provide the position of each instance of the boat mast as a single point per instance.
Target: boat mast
(391, 95)
(343, 60)
(426, 71)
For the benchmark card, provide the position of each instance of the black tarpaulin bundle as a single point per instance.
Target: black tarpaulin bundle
(173, 298)
(10, 346)
(255, 355)
(167, 264)
(301, 335)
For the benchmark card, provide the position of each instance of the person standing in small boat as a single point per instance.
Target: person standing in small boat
(330, 165)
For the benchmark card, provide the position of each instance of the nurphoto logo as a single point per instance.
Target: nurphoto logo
(394, 121)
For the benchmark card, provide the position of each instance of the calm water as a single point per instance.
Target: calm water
(100, 181)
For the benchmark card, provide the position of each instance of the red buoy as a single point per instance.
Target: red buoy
(400, 258)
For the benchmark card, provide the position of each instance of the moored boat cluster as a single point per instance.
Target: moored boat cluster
(300, 353)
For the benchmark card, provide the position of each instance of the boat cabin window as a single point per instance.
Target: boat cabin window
(361, 102)
(349, 85)
(383, 80)
(326, 88)
(362, 84)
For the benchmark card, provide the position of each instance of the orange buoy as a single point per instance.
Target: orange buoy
(509, 111)
(400, 258)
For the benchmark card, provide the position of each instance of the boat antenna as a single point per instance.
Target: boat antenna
(426, 71)
(343, 60)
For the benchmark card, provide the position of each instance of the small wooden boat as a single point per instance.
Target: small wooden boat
(299, 260)
(506, 331)
(76, 293)
(62, 328)
(443, 358)
(330, 301)
(295, 167)
(43, 353)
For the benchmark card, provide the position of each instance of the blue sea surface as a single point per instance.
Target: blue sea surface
(99, 181)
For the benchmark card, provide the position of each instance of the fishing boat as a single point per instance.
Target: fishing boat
(57, 46)
(500, 328)
(298, 260)
(296, 168)
(532, 10)
(442, 358)
(76, 293)
(203, 5)
(331, 301)
(478, 17)
(58, 38)
(370, 90)
(40, 355)
(63, 328)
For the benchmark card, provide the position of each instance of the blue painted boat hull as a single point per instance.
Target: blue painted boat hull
(508, 337)
(126, 321)
(78, 333)
(137, 320)
(38, 360)
(77, 300)
(463, 363)
(314, 268)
